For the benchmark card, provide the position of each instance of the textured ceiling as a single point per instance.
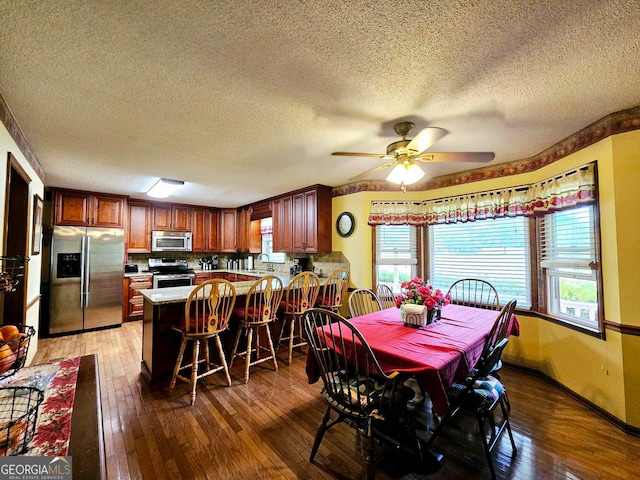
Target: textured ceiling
(246, 100)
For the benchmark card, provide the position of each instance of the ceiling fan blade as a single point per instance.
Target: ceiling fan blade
(355, 154)
(425, 138)
(470, 157)
(368, 172)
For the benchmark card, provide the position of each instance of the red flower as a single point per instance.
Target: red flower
(418, 292)
(430, 302)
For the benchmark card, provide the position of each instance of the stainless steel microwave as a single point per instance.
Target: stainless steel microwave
(170, 241)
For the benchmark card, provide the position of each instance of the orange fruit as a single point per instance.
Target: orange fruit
(5, 351)
(8, 330)
(17, 340)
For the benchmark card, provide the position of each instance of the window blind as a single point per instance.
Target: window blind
(396, 245)
(493, 250)
(567, 239)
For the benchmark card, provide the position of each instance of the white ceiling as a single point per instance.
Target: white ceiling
(244, 100)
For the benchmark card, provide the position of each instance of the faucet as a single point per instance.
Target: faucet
(269, 266)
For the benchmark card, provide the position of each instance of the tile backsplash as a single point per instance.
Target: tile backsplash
(323, 263)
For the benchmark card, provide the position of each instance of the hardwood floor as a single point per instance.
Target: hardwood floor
(265, 429)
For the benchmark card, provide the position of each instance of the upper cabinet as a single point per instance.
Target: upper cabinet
(174, 218)
(199, 229)
(248, 237)
(228, 230)
(204, 229)
(213, 240)
(139, 227)
(88, 209)
(282, 212)
(302, 221)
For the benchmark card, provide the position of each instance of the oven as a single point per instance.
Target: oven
(164, 280)
(171, 272)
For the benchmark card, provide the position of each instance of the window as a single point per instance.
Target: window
(266, 229)
(493, 250)
(396, 254)
(569, 259)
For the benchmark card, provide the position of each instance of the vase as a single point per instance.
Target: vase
(413, 315)
(433, 315)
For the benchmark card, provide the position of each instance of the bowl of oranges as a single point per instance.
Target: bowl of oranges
(14, 344)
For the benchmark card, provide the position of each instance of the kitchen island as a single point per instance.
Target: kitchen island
(164, 307)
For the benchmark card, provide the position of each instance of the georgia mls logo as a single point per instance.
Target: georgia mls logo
(59, 466)
(35, 468)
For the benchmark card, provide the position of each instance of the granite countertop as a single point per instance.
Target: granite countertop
(159, 296)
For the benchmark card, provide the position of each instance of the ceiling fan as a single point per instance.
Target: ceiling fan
(405, 153)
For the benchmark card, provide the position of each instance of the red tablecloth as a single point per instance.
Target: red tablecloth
(436, 354)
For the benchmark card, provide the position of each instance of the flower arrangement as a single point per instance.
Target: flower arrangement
(417, 292)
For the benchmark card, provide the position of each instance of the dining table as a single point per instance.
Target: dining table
(436, 355)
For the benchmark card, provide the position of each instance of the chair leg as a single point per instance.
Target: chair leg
(320, 433)
(248, 355)
(505, 416)
(371, 466)
(176, 370)
(485, 444)
(292, 330)
(271, 349)
(194, 369)
(235, 346)
(207, 362)
(223, 362)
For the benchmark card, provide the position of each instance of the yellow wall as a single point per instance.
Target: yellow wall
(35, 264)
(606, 372)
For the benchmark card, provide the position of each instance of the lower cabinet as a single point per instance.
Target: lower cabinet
(201, 278)
(133, 304)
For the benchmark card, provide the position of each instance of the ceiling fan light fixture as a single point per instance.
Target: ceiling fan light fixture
(164, 187)
(406, 173)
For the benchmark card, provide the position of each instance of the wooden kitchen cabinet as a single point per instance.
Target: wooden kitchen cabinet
(138, 227)
(201, 278)
(85, 209)
(213, 239)
(199, 229)
(174, 218)
(282, 212)
(228, 230)
(243, 218)
(134, 301)
(302, 221)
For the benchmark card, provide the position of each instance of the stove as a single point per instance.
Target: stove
(171, 272)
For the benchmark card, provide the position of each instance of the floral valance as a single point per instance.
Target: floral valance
(577, 187)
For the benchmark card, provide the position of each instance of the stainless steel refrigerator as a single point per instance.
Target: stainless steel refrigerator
(86, 278)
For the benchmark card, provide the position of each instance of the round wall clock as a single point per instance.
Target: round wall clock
(345, 224)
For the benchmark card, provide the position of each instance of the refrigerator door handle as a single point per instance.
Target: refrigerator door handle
(83, 270)
(88, 270)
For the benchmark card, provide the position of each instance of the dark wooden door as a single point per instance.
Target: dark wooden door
(213, 239)
(228, 230)
(162, 217)
(180, 218)
(139, 228)
(199, 229)
(71, 208)
(107, 211)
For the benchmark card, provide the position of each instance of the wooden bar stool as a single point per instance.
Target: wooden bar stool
(260, 309)
(206, 314)
(334, 291)
(301, 294)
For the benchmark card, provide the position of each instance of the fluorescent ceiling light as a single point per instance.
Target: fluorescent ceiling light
(164, 187)
(405, 173)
